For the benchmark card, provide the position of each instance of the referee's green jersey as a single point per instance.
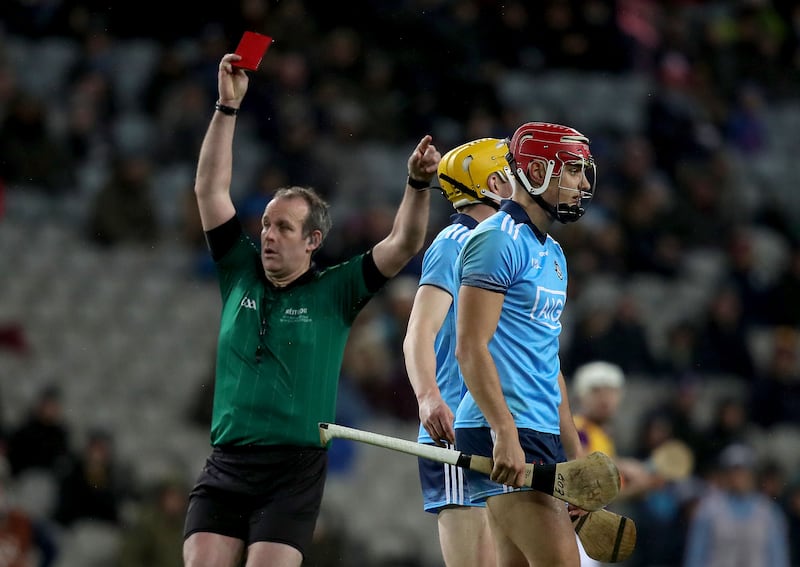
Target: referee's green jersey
(280, 350)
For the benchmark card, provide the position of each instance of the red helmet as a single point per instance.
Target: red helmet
(553, 145)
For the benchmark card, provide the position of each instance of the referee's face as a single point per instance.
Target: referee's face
(285, 251)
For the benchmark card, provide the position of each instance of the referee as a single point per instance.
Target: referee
(283, 330)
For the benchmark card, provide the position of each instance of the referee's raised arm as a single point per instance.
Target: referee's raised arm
(411, 220)
(215, 164)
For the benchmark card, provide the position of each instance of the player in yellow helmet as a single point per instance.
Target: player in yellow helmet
(475, 178)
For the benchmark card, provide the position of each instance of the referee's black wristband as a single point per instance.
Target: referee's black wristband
(227, 110)
(417, 184)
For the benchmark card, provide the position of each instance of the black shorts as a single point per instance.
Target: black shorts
(259, 494)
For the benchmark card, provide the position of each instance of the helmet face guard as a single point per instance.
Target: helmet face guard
(564, 153)
(464, 172)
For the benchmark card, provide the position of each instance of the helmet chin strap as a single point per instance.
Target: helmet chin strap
(563, 213)
(568, 213)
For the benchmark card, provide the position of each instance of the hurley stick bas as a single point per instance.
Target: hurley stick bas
(606, 537)
(590, 482)
(672, 460)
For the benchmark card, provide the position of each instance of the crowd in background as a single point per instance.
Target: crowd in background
(343, 86)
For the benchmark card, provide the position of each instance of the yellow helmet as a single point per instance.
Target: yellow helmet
(464, 171)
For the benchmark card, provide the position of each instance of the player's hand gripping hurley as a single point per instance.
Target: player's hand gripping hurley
(590, 482)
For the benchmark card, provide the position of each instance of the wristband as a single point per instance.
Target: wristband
(227, 110)
(417, 184)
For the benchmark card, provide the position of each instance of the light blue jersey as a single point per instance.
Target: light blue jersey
(507, 254)
(439, 269)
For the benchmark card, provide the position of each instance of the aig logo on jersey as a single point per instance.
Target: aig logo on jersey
(548, 307)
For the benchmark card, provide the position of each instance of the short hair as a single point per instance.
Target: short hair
(318, 218)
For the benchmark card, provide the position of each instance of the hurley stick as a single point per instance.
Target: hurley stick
(606, 537)
(590, 482)
(672, 460)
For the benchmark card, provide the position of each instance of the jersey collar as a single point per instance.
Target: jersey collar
(519, 215)
(465, 219)
(305, 278)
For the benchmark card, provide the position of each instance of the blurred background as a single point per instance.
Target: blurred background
(685, 270)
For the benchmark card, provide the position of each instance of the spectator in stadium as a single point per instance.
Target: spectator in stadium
(23, 537)
(791, 502)
(745, 274)
(282, 336)
(734, 524)
(474, 178)
(33, 156)
(153, 538)
(96, 486)
(722, 346)
(775, 394)
(784, 305)
(123, 210)
(729, 424)
(41, 441)
(672, 417)
(615, 332)
(513, 285)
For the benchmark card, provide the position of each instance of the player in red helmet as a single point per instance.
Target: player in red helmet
(540, 152)
(513, 289)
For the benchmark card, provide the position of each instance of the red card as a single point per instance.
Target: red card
(252, 48)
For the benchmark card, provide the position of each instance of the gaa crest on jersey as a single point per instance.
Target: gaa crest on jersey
(557, 267)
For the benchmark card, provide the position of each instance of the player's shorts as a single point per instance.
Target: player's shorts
(540, 448)
(259, 494)
(443, 485)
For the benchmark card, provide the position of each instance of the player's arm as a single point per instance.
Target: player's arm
(569, 433)
(215, 164)
(478, 315)
(411, 220)
(638, 479)
(430, 308)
